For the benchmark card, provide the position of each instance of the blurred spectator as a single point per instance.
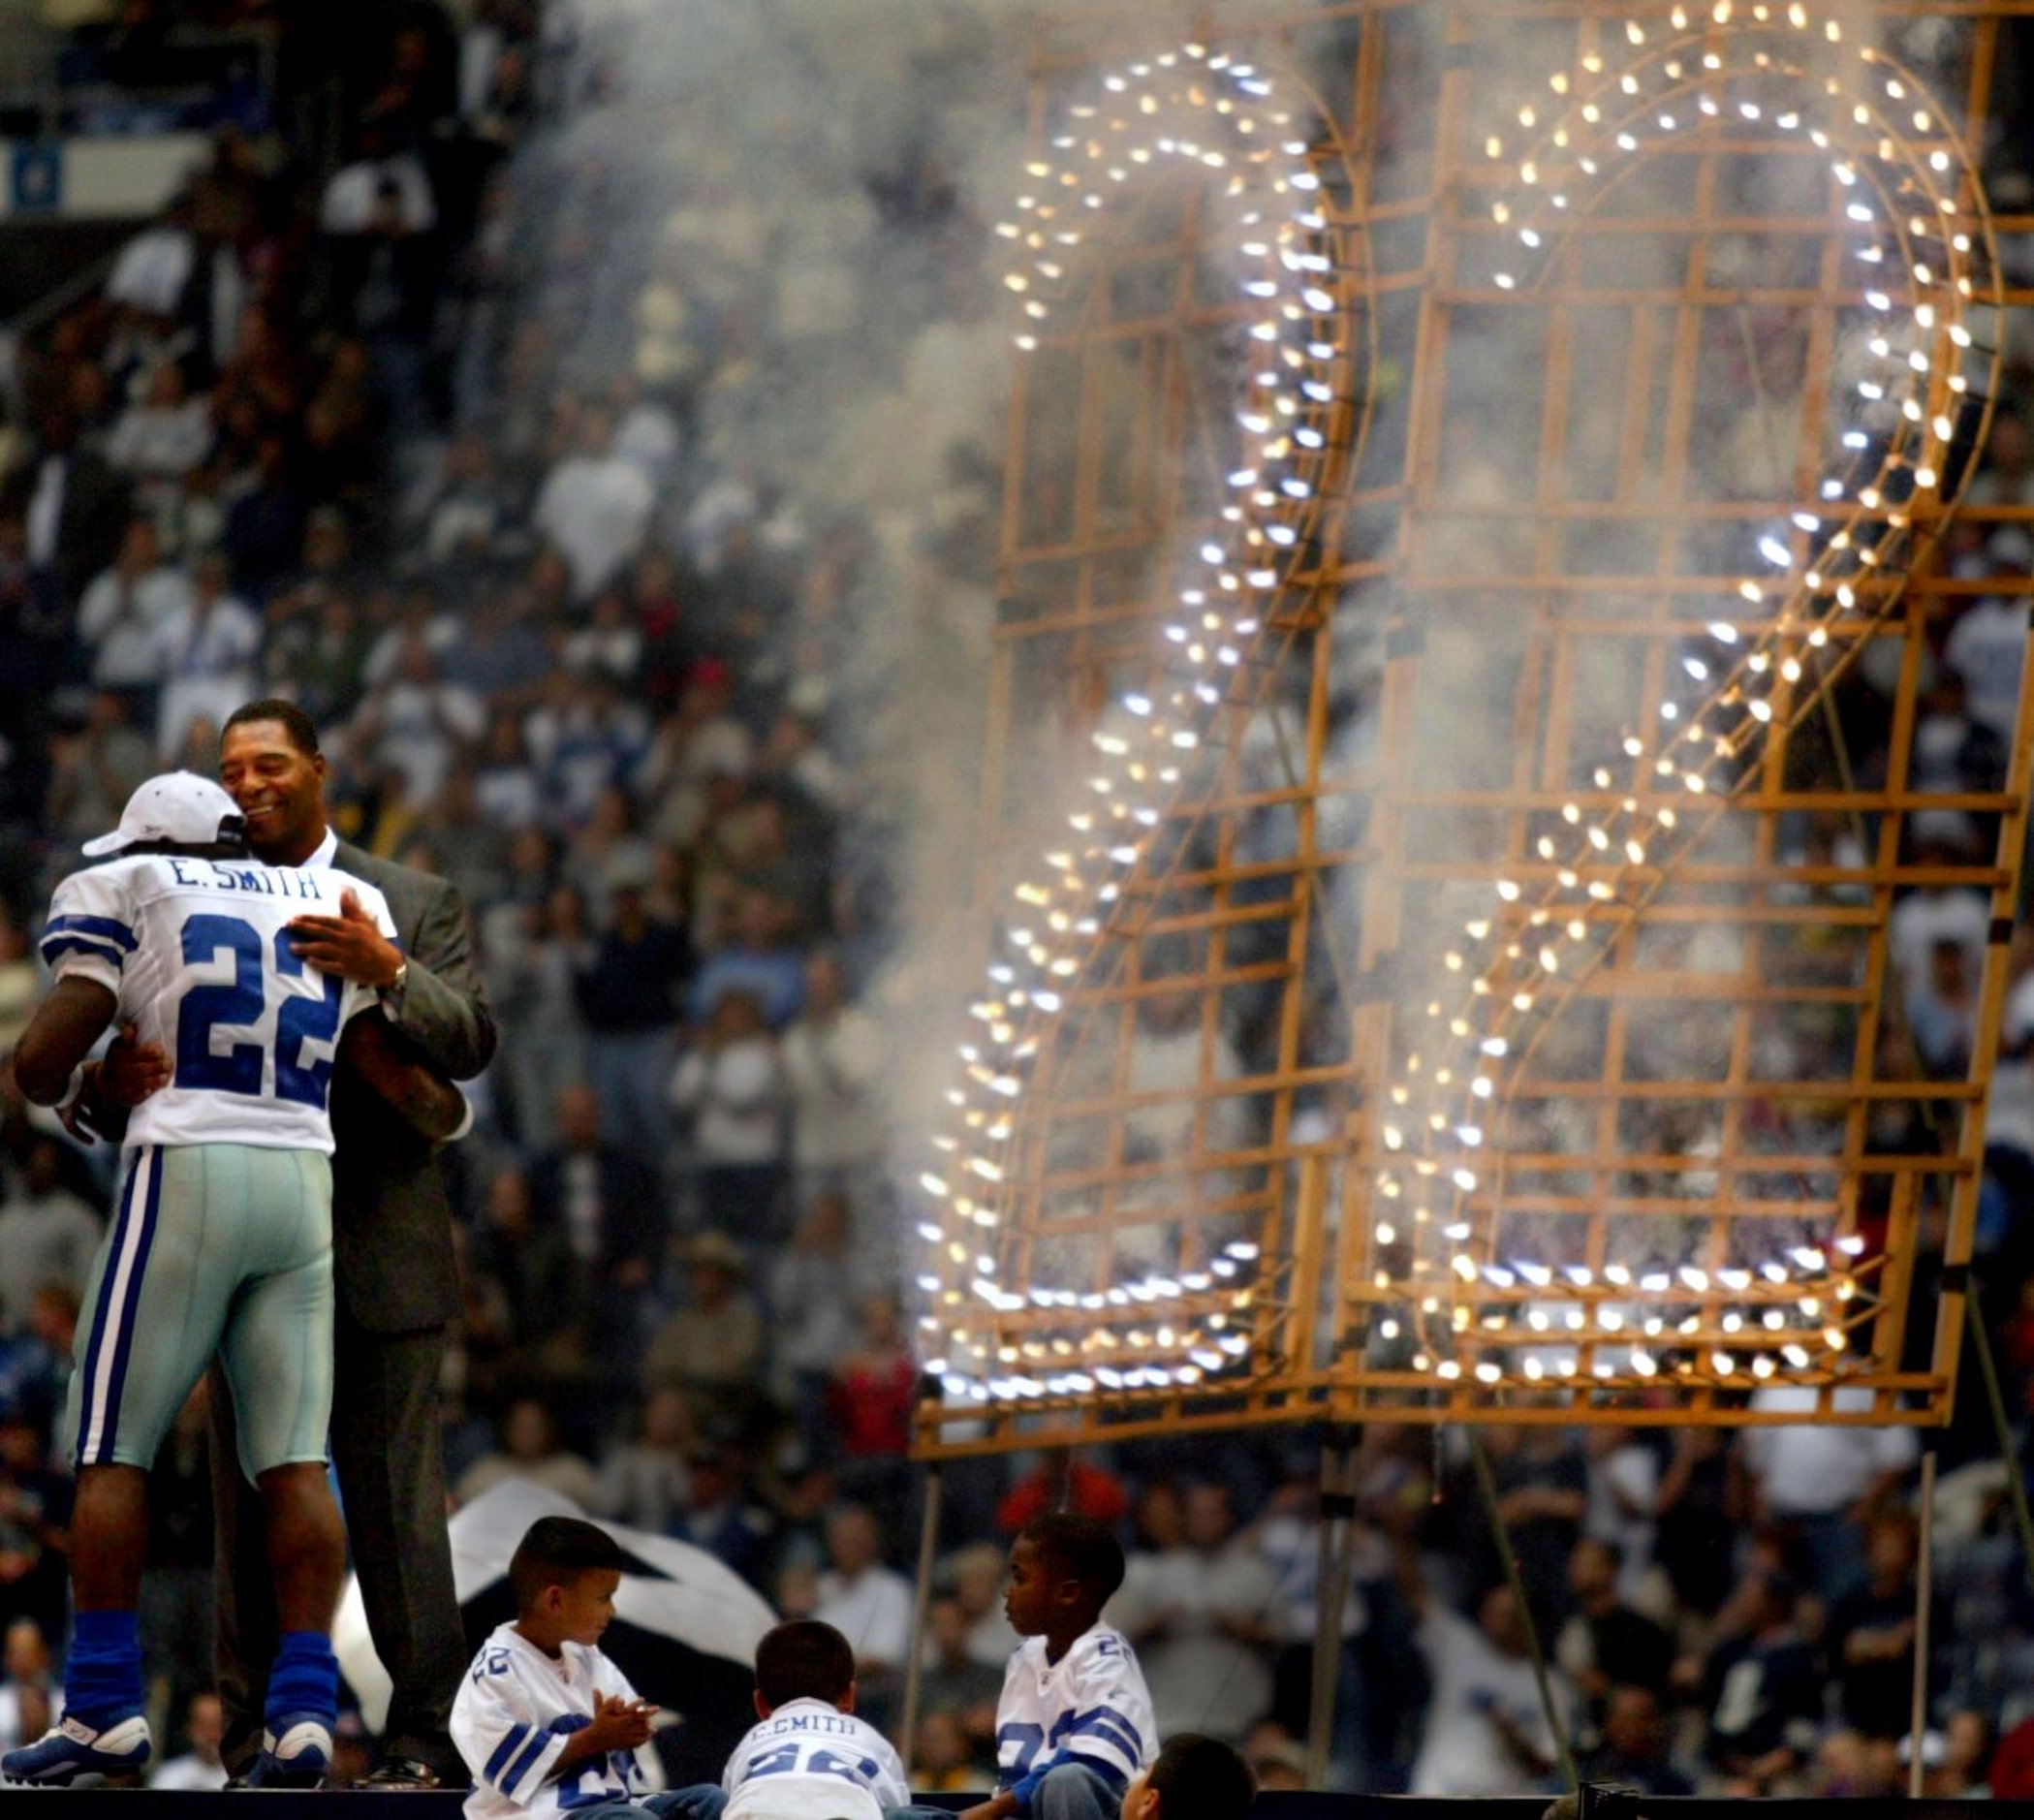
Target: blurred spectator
(128, 617)
(1606, 1644)
(1634, 1752)
(758, 961)
(76, 508)
(711, 1348)
(28, 1690)
(864, 1600)
(1870, 1631)
(163, 437)
(152, 270)
(1198, 1615)
(595, 506)
(868, 1409)
(1817, 1480)
(35, 1517)
(531, 949)
(209, 647)
(1486, 1731)
(628, 981)
(954, 1682)
(731, 1084)
(525, 1254)
(605, 1203)
(199, 1767)
(1763, 1692)
(942, 1761)
(832, 1058)
(1062, 1482)
(530, 1449)
(810, 1283)
(718, 1515)
(47, 1234)
(645, 1482)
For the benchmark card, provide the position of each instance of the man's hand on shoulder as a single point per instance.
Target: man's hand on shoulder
(347, 946)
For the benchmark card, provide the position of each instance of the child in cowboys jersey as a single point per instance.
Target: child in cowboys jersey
(547, 1724)
(1074, 1726)
(810, 1758)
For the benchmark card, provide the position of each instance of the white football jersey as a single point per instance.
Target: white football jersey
(1090, 1707)
(513, 1712)
(196, 953)
(811, 1761)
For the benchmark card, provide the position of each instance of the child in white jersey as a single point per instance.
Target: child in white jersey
(547, 1724)
(1074, 1726)
(810, 1758)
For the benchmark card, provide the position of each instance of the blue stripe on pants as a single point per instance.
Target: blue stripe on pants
(89, 1366)
(123, 1350)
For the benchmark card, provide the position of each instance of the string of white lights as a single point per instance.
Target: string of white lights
(1201, 110)
(1911, 206)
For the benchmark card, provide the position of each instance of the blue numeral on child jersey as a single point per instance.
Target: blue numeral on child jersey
(300, 1021)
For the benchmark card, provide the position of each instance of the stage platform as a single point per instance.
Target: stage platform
(357, 1805)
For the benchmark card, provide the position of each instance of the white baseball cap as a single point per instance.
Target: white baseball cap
(179, 808)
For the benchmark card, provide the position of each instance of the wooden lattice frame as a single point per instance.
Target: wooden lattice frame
(1367, 831)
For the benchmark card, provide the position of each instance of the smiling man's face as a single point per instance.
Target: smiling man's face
(277, 787)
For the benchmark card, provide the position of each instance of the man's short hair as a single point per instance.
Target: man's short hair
(804, 1660)
(1079, 1548)
(1202, 1778)
(294, 721)
(555, 1550)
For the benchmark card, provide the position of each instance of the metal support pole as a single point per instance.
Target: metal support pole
(1337, 1541)
(1501, 1533)
(921, 1606)
(1924, 1596)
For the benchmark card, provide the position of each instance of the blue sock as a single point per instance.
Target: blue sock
(305, 1677)
(103, 1676)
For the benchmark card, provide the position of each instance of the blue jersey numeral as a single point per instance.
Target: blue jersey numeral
(597, 1781)
(300, 1021)
(808, 1759)
(1027, 1739)
(203, 1007)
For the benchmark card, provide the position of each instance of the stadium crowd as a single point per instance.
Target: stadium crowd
(334, 434)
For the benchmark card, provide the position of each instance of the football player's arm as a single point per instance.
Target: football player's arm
(60, 1036)
(426, 1102)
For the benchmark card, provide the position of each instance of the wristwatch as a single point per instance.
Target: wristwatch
(395, 988)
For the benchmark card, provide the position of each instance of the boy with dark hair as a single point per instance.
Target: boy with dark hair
(1074, 1726)
(810, 1758)
(544, 1721)
(1194, 1778)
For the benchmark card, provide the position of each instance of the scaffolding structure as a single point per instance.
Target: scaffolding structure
(1708, 1167)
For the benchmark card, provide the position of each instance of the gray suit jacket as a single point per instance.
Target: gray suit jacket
(391, 1224)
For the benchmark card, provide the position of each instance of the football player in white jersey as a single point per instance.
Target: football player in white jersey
(1073, 1725)
(222, 1243)
(810, 1758)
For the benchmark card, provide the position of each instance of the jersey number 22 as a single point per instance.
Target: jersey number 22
(299, 1020)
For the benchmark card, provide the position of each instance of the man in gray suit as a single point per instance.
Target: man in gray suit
(392, 1264)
